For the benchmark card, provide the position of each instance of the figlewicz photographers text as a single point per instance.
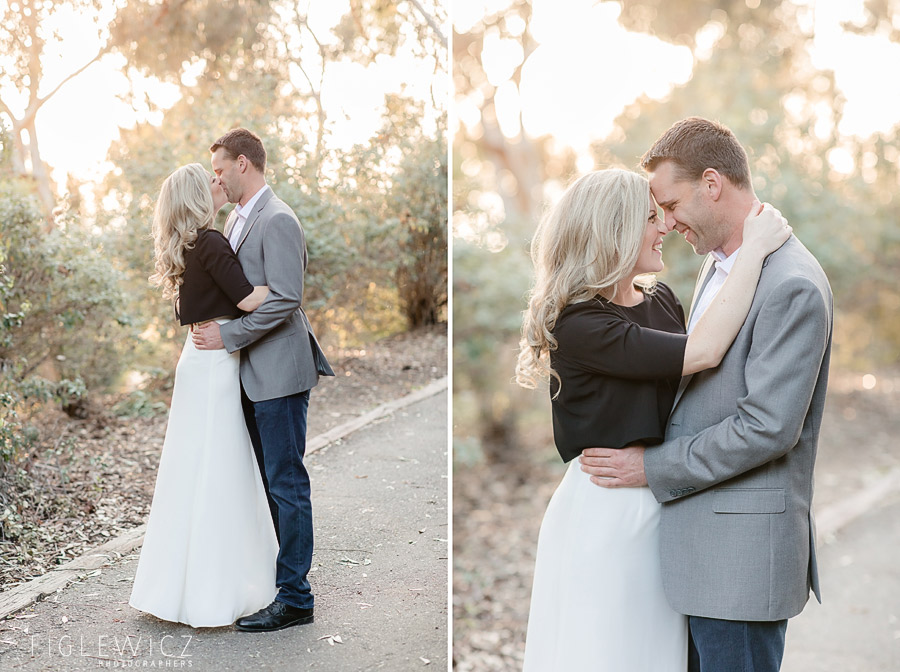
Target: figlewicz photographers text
(119, 651)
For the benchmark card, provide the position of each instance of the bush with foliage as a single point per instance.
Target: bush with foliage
(53, 288)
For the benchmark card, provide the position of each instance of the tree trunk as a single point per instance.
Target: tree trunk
(18, 155)
(42, 179)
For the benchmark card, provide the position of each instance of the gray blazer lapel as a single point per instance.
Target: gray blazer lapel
(707, 269)
(703, 278)
(254, 215)
(229, 223)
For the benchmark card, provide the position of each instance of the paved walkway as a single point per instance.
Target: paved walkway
(380, 576)
(857, 627)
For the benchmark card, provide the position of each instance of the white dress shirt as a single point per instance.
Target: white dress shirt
(242, 213)
(723, 268)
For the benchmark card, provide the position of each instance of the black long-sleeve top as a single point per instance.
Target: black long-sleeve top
(214, 282)
(620, 368)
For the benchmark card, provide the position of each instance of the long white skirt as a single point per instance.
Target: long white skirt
(597, 603)
(209, 552)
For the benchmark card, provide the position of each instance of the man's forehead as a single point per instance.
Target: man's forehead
(660, 185)
(663, 182)
(219, 155)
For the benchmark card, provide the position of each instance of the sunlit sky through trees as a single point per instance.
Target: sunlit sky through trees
(77, 125)
(587, 68)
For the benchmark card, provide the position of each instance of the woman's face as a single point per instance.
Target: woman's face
(218, 194)
(650, 256)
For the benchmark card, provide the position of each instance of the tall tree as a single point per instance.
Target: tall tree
(159, 37)
(292, 62)
(498, 182)
(24, 42)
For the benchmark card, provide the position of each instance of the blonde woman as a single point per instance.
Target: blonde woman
(208, 555)
(612, 342)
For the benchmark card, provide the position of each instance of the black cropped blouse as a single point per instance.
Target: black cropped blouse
(620, 368)
(214, 282)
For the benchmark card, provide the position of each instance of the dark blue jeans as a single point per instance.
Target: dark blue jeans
(278, 432)
(735, 646)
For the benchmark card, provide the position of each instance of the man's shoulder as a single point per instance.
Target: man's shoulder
(794, 263)
(276, 209)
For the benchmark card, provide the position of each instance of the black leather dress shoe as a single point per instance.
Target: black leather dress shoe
(276, 616)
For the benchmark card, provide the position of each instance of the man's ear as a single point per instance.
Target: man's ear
(242, 163)
(712, 182)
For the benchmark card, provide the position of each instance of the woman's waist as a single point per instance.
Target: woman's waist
(225, 319)
(570, 447)
(578, 479)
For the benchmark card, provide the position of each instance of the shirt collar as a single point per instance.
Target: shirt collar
(723, 263)
(243, 211)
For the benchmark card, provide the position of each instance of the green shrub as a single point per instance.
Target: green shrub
(62, 317)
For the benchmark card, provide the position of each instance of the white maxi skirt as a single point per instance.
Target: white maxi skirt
(209, 552)
(597, 603)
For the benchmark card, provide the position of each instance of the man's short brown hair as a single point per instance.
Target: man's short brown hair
(695, 144)
(239, 141)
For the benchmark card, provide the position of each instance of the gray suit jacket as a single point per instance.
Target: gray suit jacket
(735, 474)
(279, 352)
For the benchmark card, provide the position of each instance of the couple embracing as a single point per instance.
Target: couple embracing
(230, 536)
(682, 538)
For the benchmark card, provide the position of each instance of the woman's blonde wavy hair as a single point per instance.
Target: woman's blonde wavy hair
(184, 207)
(585, 244)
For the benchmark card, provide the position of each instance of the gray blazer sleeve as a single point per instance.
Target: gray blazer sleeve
(284, 261)
(789, 340)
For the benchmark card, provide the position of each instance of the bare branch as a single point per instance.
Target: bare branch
(5, 108)
(303, 22)
(430, 21)
(35, 106)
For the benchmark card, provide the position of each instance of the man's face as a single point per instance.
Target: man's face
(229, 176)
(688, 208)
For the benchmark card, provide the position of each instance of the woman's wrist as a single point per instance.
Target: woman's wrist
(754, 250)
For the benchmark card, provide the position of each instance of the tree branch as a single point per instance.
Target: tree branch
(303, 22)
(36, 105)
(430, 21)
(5, 108)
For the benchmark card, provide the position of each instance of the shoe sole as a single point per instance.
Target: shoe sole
(306, 620)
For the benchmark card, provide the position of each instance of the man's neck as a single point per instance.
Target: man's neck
(738, 207)
(251, 191)
(733, 243)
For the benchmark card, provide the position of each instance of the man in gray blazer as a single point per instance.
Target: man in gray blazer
(735, 473)
(280, 362)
